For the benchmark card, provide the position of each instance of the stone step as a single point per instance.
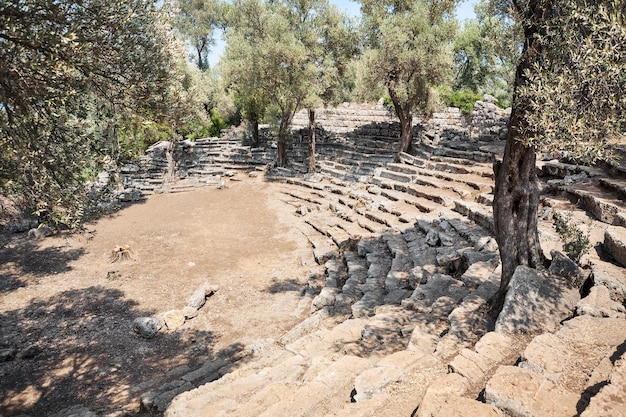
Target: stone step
(408, 173)
(446, 396)
(560, 371)
(443, 197)
(159, 392)
(561, 170)
(484, 171)
(478, 213)
(421, 204)
(604, 207)
(616, 185)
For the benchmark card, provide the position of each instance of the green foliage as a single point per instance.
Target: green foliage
(70, 74)
(571, 93)
(197, 20)
(486, 52)
(463, 99)
(408, 51)
(282, 56)
(135, 136)
(217, 125)
(576, 243)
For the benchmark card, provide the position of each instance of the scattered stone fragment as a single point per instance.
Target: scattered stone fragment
(190, 312)
(198, 298)
(40, 232)
(432, 238)
(174, 319)
(147, 326)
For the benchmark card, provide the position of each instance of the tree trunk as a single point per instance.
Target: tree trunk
(255, 133)
(516, 195)
(515, 207)
(311, 141)
(281, 158)
(406, 121)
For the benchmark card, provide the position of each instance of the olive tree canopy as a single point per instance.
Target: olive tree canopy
(568, 98)
(65, 65)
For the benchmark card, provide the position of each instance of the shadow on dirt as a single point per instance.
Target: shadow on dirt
(78, 348)
(24, 257)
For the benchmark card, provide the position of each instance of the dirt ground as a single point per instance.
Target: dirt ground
(63, 296)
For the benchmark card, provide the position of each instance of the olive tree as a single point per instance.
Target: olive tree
(486, 52)
(197, 21)
(409, 51)
(65, 67)
(331, 41)
(568, 97)
(279, 57)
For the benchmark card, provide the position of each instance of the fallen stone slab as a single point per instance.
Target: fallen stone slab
(536, 302)
(522, 393)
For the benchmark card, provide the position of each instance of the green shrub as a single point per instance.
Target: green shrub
(576, 243)
(462, 99)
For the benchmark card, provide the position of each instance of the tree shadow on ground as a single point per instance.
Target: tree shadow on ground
(78, 347)
(25, 257)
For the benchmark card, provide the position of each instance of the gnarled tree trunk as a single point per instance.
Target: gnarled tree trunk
(406, 121)
(516, 199)
(311, 141)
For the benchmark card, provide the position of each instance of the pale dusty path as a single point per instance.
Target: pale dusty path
(55, 294)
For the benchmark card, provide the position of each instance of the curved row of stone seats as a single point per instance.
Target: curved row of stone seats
(433, 326)
(385, 342)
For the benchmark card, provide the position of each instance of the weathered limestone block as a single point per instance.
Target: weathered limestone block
(611, 400)
(615, 243)
(470, 365)
(599, 304)
(612, 277)
(536, 302)
(174, 319)
(439, 392)
(521, 393)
